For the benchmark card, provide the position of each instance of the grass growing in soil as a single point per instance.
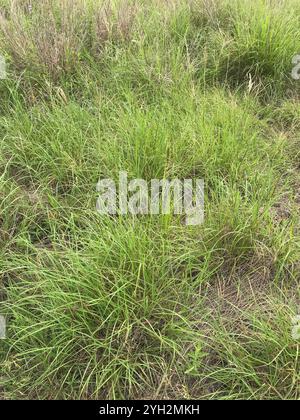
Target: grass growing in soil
(144, 307)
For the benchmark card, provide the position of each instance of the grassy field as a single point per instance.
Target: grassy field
(145, 307)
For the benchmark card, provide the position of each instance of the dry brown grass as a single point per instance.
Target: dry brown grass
(50, 39)
(114, 21)
(51, 36)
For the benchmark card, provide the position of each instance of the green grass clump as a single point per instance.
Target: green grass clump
(130, 307)
(250, 44)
